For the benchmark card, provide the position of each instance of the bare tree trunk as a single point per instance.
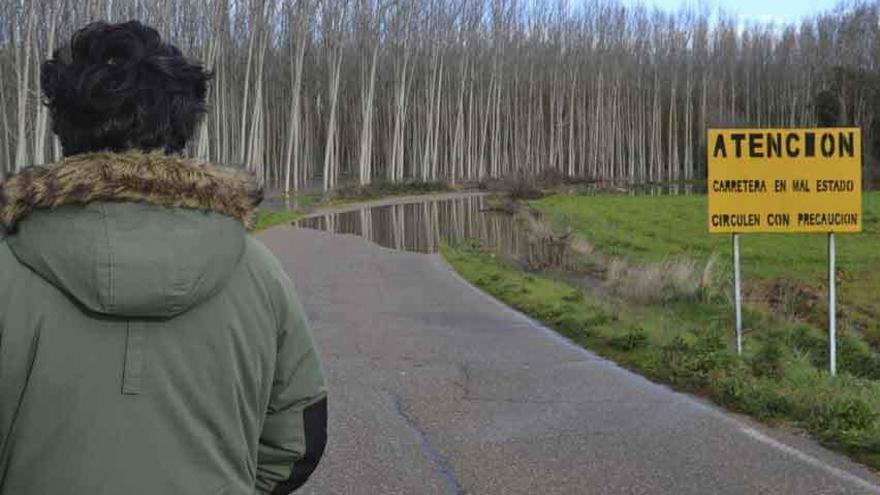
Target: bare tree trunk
(242, 150)
(292, 157)
(22, 63)
(368, 89)
(331, 150)
(42, 112)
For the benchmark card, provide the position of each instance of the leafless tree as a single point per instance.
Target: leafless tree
(464, 90)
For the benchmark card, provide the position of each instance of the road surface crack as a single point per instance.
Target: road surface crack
(441, 463)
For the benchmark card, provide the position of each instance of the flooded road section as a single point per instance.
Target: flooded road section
(422, 226)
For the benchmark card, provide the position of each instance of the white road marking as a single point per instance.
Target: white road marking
(812, 461)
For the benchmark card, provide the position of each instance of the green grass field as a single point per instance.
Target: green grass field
(651, 228)
(645, 229)
(685, 339)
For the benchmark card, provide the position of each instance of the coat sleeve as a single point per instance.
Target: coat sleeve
(294, 430)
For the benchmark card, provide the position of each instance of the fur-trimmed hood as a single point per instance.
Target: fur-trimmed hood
(152, 178)
(133, 235)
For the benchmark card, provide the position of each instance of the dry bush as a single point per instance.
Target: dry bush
(522, 186)
(796, 301)
(583, 247)
(667, 280)
(550, 178)
(546, 249)
(713, 280)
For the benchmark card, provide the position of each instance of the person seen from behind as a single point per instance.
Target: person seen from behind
(148, 344)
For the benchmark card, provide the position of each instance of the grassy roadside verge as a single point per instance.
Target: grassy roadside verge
(351, 194)
(684, 340)
(270, 218)
(785, 273)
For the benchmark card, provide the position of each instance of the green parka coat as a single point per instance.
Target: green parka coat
(148, 344)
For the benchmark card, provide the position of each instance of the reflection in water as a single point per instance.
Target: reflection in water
(422, 226)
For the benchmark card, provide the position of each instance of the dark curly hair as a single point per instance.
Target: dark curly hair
(118, 87)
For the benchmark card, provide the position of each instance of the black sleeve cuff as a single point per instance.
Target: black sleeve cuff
(315, 424)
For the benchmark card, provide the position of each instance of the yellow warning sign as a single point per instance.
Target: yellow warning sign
(785, 180)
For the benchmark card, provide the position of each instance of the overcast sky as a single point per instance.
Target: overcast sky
(781, 11)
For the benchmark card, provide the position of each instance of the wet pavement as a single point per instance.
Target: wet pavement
(436, 388)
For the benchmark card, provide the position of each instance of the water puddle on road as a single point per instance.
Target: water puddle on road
(423, 225)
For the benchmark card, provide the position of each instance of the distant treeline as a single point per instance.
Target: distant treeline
(464, 90)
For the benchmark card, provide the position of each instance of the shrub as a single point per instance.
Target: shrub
(857, 358)
(550, 178)
(842, 414)
(574, 296)
(768, 361)
(577, 327)
(691, 364)
(635, 338)
(809, 341)
(737, 389)
(522, 186)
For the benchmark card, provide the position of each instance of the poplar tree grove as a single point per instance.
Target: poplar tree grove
(325, 92)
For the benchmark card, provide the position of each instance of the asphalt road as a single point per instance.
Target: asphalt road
(436, 388)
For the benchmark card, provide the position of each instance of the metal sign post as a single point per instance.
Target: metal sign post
(737, 294)
(832, 305)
